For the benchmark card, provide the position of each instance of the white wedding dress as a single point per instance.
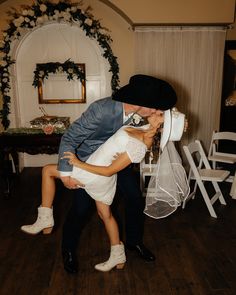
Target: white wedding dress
(103, 188)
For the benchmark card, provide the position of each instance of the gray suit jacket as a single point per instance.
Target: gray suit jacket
(102, 119)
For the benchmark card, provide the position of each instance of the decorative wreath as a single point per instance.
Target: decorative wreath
(69, 67)
(37, 14)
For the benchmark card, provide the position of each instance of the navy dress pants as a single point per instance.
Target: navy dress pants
(78, 215)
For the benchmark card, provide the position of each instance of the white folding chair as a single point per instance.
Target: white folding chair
(201, 171)
(215, 156)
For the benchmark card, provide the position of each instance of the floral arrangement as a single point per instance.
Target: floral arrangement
(37, 14)
(48, 129)
(69, 67)
(137, 120)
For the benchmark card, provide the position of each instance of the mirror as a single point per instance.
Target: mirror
(60, 87)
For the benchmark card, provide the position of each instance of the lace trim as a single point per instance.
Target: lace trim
(136, 149)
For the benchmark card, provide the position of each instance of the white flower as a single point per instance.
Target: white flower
(43, 7)
(5, 74)
(73, 9)
(18, 21)
(3, 63)
(55, 16)
(27, 20)
(65, 15)
(56, 12)
(70, 70)
(31, 12)
(32, 23)
(137, 118)
(20, 30)
(45, 17)
(102, 31)
(41, 73)
(25, 12)
(60, 14)
(40, 20)
(4, 34)
(21, 19)
(60, 69)
(88, 22)
(5, 80)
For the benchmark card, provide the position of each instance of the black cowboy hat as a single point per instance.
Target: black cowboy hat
(147, 91)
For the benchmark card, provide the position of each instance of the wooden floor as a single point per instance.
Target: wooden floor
(195, 254)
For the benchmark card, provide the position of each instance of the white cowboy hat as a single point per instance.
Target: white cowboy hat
(173, 126)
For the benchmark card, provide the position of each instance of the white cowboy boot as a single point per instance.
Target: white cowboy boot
(117, 258)
(44, 222)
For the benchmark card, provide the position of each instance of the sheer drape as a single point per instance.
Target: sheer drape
(191, 59)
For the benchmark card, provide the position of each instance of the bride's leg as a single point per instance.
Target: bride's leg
(45, 221)
(117, 255)
(104, 212)
(49, 173)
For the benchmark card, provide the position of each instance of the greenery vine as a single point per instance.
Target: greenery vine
(72, 70)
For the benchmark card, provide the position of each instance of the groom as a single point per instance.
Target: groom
(143, 95)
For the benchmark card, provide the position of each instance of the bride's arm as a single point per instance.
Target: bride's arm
(121, 162)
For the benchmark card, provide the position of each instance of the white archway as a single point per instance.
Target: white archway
(54, 42)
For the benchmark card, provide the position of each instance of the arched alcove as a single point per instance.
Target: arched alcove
(54, 42)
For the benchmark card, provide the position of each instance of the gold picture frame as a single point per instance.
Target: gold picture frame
(81, 99)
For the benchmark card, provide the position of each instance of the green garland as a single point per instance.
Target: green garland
(37, 14)
(69, 67)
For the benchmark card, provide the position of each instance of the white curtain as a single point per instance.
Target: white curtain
(191, 59)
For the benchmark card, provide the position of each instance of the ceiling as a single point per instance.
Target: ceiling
(125, 9)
